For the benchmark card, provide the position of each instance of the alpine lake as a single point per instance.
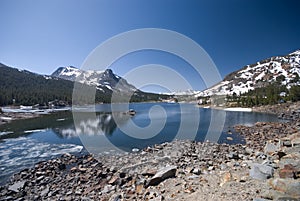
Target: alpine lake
(110, 129)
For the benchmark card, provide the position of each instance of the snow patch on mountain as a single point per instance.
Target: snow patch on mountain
(285, 69)
(103, 80)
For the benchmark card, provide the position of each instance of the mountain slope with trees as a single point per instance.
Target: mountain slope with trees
(21, 87)
(270, 81)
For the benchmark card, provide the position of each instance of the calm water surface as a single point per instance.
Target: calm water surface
(26, 142)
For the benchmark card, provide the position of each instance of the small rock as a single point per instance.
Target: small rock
(39, 173)
(196, 171)
(73, 169)
(45, 192)
(193, 177)
(226, 178)
(295, 142)
(83, 170)
(281, 154)
(248, 151)
(286, 142)
(139, 188)
(189, 190)
(107, 189)
(233, 155)
(134, 150)
(40, 178)
(260, 199)
(148, 172)
(153, 196)
(78, 192)
(113, 180)
(116, 198)
(229, 138)
(122, 174)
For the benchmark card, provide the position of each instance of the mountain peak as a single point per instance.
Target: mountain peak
(66, 71)
(108, 71)
(105, 80)
(296, 52)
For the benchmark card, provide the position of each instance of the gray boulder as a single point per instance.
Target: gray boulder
(261, 171)
(271, 148)
(16, 187)
(161, 175)
(289, 187)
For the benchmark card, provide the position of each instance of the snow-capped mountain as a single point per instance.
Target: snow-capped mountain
(282, 69)
(188, 92)
(103, 80)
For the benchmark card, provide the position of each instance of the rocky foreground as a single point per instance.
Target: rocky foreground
(267, 167)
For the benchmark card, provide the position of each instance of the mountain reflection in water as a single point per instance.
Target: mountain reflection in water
(100, 124)
(62, 125)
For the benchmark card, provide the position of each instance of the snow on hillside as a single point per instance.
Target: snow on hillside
(285, 69)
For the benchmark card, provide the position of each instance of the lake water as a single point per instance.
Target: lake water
(97, 130)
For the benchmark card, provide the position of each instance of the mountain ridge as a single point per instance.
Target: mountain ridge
(101, 79)
(284, 69)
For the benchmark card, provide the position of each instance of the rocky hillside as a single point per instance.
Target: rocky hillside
(284, 70)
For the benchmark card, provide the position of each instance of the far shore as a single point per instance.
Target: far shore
(8, 114)
(233, 109)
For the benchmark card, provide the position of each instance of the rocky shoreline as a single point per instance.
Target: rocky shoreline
(8, 117)
(289, 111)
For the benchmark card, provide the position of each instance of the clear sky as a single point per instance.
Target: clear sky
(42, 35)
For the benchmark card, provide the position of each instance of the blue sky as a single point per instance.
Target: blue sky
(42, 35)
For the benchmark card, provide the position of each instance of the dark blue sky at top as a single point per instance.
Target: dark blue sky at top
(42, 35)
